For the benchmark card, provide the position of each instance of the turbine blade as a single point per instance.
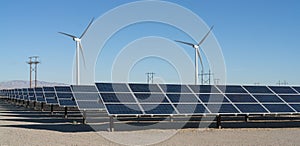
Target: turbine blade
(205, 36)
(190, 44)
(81, 51)
(87, 28)
(198, 52)
(72, 36)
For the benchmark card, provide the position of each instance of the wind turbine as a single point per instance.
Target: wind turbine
(197, 54)
(79, 49)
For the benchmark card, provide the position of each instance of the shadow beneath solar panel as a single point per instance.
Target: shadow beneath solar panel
(55, 127)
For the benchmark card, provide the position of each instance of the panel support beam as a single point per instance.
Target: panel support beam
(66, 112)
(51, 109)
(219, 122)
(111, 124)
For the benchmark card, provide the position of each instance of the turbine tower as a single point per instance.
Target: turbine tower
(79, 50)
(197, 54)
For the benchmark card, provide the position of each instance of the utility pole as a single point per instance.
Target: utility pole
(279, 83)
(33, 60)
(150, 77)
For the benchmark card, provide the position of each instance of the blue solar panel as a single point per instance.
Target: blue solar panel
(62, 89)
(297, 89)
(277, 108)
(282, 90)
(258, 89)
(90, 105)
(267, 98)
(123, 109)
(204, 89)
(144, 88)
(191, 108)
(222, 108)
(168, 88)
(84, 88)
(112, 87)
(64, 95)
(291, 98)
(51, 101)
(118, 97)
(63, 102)
(48, 89)
(175, 98)
(87, 96)
(231, 89)
(50, 95)
(240, 98)
(163, 109)
(296, 107)
(212, 98)
(144, 97)
(251, 108)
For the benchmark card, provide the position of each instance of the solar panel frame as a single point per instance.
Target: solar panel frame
(87, 97)
(65, 96)
(50, 96)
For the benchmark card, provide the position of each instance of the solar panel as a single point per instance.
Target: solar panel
(112, 87)
(296, 107)
(268, 98)
(277, 108)
(150, 97)
(231, 89)
(170, 88)
(251, 108)
(144, 88)
(84, 88)
(291, 98)
(87, 97)
(38, 95)
(212, 98)
(191, 109)
(63, 89)
(175, 98)
(283, 90)
(118, 97)
(240, 98)
(158, 109)
(222, 108)
(48, 89)
(126, 109)
(65, 96)
(49, 95)
(91, 105)
(258, 89)
(204, 89)
(297, 89)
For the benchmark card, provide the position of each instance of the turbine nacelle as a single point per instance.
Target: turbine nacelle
(196, 46)
(77, 39)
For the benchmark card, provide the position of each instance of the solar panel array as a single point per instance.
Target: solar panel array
(167, 99)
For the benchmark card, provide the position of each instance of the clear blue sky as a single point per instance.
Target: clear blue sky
(259, 39)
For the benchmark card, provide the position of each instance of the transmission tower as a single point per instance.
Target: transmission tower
(33, 60)
(150, 77)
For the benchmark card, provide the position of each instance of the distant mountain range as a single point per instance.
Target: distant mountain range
(25, 84)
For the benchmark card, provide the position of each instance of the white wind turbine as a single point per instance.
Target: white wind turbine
(197, 54)
(79, 49)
